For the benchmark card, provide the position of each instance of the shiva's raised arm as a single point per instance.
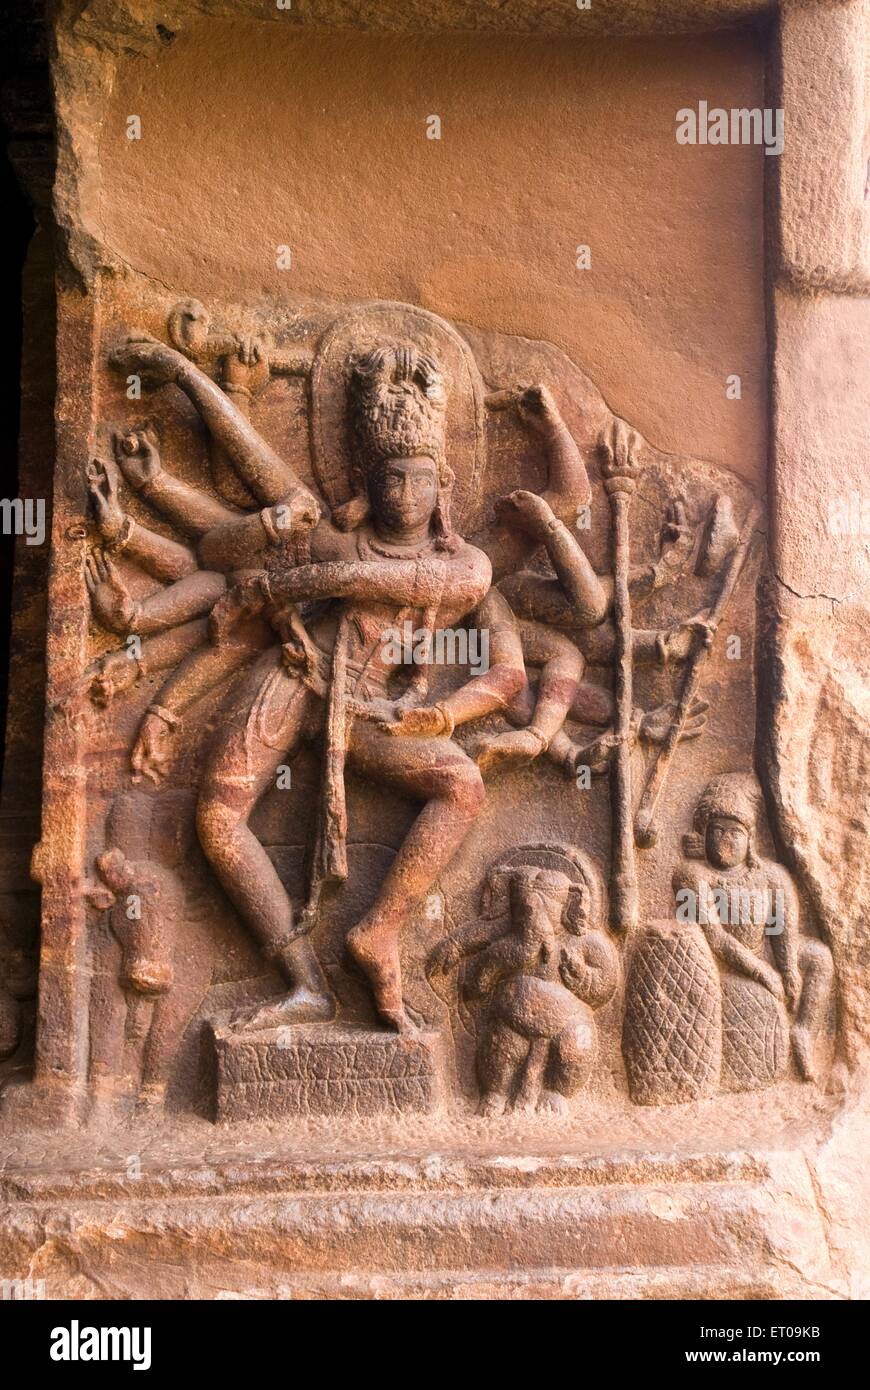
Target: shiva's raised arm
(576, 585)
(267, 476)
(567, 487)
(161, 557)
(192, 511)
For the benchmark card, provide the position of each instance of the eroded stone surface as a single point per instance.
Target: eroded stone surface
(323, 1070)
(414, 604)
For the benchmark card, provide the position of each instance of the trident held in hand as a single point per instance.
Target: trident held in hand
(620, 469)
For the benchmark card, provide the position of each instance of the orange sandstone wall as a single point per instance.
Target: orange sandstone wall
(254, 138)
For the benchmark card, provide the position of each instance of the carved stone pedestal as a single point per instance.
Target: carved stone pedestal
(321, 1069)
(446, 1225)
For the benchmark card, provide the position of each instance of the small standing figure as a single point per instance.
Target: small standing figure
(545, 968)
(741, 902)
(145, 994)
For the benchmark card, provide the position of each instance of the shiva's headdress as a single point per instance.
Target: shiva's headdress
(397, 399)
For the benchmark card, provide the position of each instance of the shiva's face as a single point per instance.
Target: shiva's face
(727, 842)
(404, 492)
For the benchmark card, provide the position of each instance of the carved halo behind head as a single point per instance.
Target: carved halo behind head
(392, 377)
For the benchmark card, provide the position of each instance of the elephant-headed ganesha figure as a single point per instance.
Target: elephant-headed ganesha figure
(541, 961)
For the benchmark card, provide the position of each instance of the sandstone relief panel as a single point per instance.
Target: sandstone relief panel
(411, 673)
(448, 838)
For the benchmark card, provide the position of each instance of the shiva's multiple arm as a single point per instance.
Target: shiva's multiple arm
(228, 540)
(201, 671)
(456, 584)
(577, 590)
(564, 752)
(159, 556)
(567, 481)
(566, 490)
(192, 511)
(564, 602)
(542, 602)
(191, 597)
(262, 471)
(165, 650)
(562, 691)
(578, 597)
(164, 559)
(575, 578)
(206, 667)
(119, 670)
(115, 609)
(506, 675)
(648, 646)
(239, 544)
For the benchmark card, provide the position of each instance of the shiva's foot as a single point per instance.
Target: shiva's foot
(299, 1006)
(516, 746)
(376, 953)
